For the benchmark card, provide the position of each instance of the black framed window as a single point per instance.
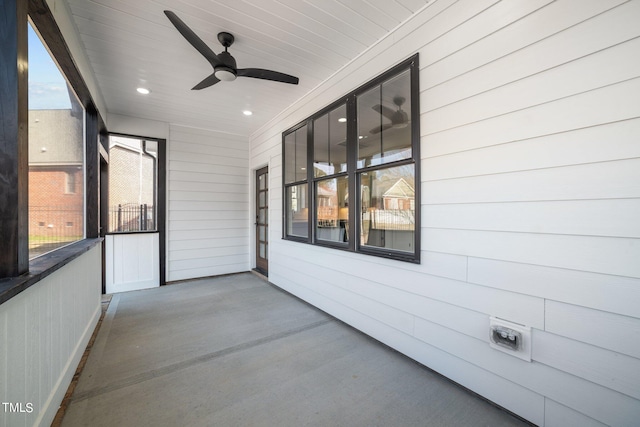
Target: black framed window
(351, 171)
(56, 154)
(296, 182)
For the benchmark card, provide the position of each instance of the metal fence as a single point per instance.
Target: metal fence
(131, 217)
(51, 227)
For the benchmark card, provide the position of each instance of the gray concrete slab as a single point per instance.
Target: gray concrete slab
(236, 351)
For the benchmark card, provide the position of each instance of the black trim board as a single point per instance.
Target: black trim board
(14, 148)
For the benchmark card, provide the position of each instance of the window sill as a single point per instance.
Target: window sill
(43, 266)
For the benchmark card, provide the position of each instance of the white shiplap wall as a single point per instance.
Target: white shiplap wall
(208, 203)
(43, 334)
(530, 141)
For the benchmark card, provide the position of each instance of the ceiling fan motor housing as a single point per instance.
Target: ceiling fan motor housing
(227, 70)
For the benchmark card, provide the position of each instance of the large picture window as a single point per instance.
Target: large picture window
(56, 155)
(351, 171)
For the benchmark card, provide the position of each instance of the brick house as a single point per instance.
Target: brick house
(56, 177)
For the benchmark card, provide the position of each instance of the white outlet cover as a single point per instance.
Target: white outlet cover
(524, 352)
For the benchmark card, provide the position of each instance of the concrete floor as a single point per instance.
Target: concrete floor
(236, 351)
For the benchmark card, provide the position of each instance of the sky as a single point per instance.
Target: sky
(47, 86)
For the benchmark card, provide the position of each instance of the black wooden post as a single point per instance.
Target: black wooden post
(14, 162)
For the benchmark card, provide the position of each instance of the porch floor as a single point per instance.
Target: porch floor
(237, 351)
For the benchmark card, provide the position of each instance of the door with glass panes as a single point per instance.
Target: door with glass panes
(262, 220)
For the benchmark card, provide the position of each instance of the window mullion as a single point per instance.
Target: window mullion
(311, 203)
(352, 163)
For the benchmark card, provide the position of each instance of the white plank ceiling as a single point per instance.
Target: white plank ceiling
(132, 43)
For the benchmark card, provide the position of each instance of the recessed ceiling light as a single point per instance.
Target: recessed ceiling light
(247, 112)
(143, 90)
(342, 119)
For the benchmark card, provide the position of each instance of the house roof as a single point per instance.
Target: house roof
(400, 188)
(55, 138)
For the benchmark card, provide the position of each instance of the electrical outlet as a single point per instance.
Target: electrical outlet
(510, 338)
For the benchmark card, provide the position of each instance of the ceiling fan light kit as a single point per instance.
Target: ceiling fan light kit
(225, 74)
(224, 65)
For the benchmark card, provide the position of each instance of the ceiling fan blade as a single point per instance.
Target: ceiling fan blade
(193, 38)
(209, 81)
(385, 111)
(258, 73)
(381, 128)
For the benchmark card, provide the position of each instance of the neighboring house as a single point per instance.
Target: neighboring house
(131, 192)
(56, 175)
(401, 196)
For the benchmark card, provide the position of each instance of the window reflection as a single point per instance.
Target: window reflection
(384, 131)
(388, 208)
(330, 142)
(56, 155)
(297, 211)
(332, 204)
(295, 155)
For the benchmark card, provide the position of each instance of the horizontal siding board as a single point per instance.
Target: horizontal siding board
(226, 195)
(614, 65)
(605, 367)
(444, 265)
(547, 21)
(496, 16)
(205, 242)
(188, 215)
(519, 308)
(557, 415)
(208, 224)
(592, 108)
(207, 206)
(216, 270)
(333, 283)
(562, 48)
(589, 398)
(612, 218)
(608, 142)
(229, 150)
(199, 263)
(181, 186)
(208, 252)
(607, 255)
(607, 180)
(599, 328)
(383, 312)
(194, 172)
(236, 233)
(563, 285)
(209, 159)
(204, 139)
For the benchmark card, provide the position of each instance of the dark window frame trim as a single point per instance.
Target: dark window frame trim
(23, 273)
(353, 172)
(161, 200)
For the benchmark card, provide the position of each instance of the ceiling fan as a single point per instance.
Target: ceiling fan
(399, 118)
(224, 65)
